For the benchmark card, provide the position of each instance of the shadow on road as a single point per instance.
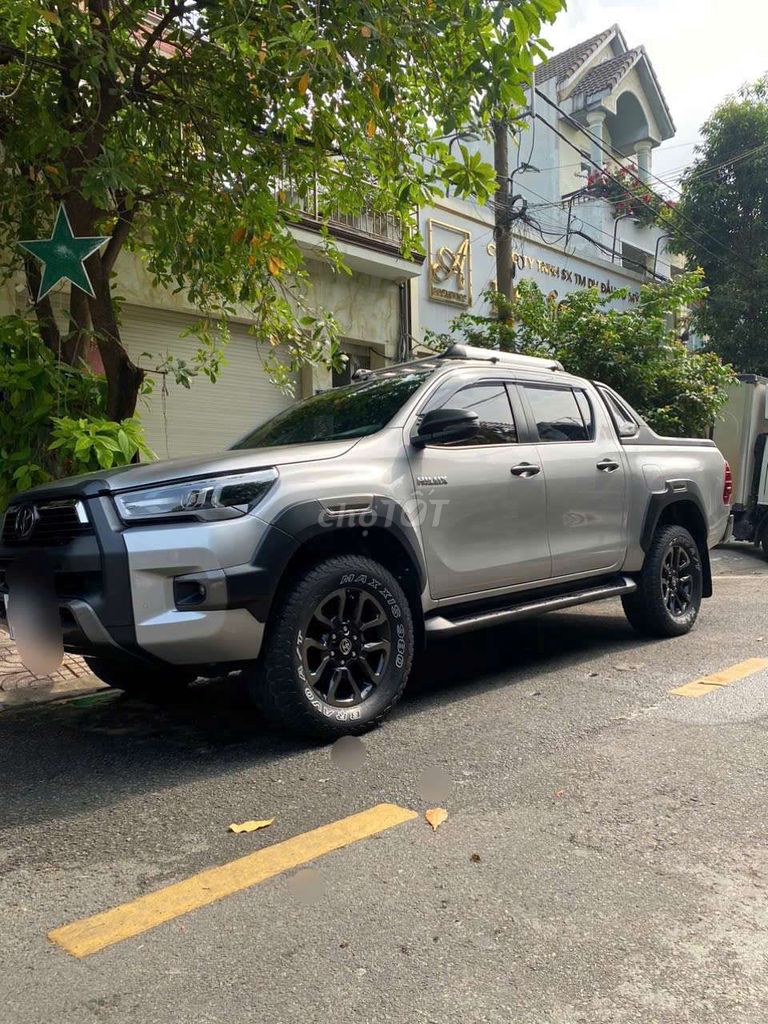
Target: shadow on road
(60, 760)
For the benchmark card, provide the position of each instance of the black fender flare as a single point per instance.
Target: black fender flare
(254, 586)
(677, 492)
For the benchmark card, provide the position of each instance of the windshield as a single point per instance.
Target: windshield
(355, 410)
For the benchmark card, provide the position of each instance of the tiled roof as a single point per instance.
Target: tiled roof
(607, 75)
(563, 65)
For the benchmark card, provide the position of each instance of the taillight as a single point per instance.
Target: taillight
(727, 485)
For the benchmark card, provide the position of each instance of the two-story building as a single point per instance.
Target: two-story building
(371, 305)
(597, 104)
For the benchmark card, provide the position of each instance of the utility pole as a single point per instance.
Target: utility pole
(502, 231)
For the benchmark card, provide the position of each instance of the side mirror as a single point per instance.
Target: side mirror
(439, 426)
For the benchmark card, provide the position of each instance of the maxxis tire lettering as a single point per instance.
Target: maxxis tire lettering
(279, 682)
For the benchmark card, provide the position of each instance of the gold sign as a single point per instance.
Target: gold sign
(563, 273)
(450, 264)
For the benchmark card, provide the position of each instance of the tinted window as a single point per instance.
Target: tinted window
(352, 411)
(491, 403)
(557, 414)
(623, 420)
(585, 408)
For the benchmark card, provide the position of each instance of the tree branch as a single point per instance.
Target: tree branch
(120, 233)
(49, 329)
(79, 326)
(175, 9)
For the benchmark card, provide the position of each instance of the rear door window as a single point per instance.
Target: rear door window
(558, 414)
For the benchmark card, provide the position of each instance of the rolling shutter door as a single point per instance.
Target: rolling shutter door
(207, 417)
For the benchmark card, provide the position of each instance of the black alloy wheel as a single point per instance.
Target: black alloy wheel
(677, 580)
(346, 647)
(337, 649)
(669, 586)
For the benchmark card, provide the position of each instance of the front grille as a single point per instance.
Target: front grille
(45, 522)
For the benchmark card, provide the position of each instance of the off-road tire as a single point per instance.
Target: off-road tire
(646, 608)
(275, 682)
(146, 682)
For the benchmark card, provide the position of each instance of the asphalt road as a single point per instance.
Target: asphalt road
(604, 858)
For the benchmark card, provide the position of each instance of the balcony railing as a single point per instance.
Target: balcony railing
(375, 226)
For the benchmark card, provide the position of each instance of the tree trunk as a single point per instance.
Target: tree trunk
(124, 378)
(74, 348)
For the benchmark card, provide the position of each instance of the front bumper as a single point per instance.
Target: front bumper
(169, 593)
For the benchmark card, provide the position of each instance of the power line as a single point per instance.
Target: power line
(603, 248)
(638, 199)
(745, 155)
(591, 137)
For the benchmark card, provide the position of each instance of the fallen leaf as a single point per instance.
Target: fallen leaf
(436, 816)
(475, 858)
(560, 792)
(303, 83)
(251, 826)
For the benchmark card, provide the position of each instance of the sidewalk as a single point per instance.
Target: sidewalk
(19, 686)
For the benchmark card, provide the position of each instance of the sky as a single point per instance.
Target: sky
(701, 50)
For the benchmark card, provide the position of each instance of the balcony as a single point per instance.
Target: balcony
(369, 240)
(368, 226)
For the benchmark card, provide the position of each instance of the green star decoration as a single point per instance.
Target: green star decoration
(63, 255)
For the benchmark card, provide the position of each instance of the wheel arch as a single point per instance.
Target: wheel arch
(687, 510)
(305, 534)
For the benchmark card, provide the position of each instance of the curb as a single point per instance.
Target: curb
(59, 690)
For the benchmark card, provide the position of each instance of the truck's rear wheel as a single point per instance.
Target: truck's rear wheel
(141, 681)
(337, 651)
(667, 600)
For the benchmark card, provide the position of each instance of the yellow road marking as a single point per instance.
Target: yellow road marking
(706, 684)
(81, 938)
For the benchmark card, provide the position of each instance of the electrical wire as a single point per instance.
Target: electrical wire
(642, 202)
(591, 137)
(705, 173)
(607, 234)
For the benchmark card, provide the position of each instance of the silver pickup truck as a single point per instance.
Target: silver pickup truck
(329, 544)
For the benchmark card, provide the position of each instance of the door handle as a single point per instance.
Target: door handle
(525, 469)
(607, 466)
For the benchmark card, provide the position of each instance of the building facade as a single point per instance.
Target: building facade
(370, 304)
(596, 105)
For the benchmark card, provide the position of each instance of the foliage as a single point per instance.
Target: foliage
(91, 444)
(635, 351)
(197, 133)
(723, 227)
(630, 196)
(45, 427)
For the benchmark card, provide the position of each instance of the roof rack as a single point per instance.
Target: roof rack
(492, 355)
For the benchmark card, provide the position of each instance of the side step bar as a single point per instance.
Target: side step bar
(442, 625)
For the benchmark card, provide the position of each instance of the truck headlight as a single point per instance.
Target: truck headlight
(221, 497)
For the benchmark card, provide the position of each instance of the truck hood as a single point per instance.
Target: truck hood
(145, 474)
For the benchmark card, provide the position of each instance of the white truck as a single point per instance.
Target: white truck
(741, 434)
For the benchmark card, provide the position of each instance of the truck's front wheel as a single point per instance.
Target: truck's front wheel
(668, 597)
(338, 649)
